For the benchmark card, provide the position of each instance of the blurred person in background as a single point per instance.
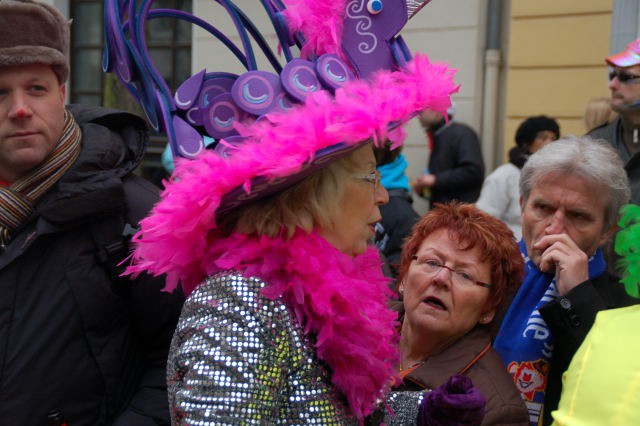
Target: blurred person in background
(623, 133)
(398, 215)
(456, 168)
(500, 196)
(597, 113)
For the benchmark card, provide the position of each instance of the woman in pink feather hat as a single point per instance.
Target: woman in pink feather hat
(268, 233)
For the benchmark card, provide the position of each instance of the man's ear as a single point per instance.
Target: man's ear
(608, 234)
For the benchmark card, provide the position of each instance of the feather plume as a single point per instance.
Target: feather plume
(627, 245)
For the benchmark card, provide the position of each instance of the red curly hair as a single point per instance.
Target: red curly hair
(470, 227)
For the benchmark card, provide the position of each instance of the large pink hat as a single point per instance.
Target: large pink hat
(628, 57)
(347, 78)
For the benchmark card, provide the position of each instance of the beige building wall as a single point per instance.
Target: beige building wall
(555, 61)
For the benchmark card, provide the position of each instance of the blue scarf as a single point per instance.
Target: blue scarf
(524, 341)
(393, 176)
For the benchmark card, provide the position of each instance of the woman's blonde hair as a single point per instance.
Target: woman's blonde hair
(309, 204)
(598, 112)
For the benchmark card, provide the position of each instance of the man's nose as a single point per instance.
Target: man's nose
(556, 224)
(19, 107)
(613, 83)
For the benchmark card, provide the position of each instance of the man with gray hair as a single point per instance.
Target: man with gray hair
(77, 342)
(571, 192)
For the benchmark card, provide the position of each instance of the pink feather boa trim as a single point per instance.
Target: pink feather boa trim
(174, 238)
(340, 299)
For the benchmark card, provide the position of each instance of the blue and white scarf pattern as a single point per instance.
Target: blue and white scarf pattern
(524, 341)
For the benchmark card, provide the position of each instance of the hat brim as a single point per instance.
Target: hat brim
(624, 59)
(261, 187)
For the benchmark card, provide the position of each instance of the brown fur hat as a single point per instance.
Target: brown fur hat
(34, 33)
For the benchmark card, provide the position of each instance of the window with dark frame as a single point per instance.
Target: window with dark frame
(169, 44)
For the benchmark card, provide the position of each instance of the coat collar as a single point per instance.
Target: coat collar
(437, 369)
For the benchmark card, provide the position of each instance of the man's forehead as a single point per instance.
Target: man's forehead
(584, 193)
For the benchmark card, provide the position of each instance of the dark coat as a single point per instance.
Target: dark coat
(398, 217)
(456, 161)
(612, 133)
(570, 318)
(73, 337)
(488, 374)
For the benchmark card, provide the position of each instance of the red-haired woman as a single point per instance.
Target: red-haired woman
(458, 266)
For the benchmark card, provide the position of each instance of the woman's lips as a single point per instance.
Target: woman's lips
(435, 303)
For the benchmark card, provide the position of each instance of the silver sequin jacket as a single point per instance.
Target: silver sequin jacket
(240, 358)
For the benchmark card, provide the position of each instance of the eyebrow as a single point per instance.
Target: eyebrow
(456, 263)
(582, 213)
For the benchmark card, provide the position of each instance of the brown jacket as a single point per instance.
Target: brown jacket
(488, 374)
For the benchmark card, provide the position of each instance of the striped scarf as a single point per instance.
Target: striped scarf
(18, 200)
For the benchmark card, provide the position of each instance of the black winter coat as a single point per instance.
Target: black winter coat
(612, 133)
(456, 161)
(73, 337)
(398, 217)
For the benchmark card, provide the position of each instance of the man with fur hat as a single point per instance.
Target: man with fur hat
(76, 340)
(624, 132)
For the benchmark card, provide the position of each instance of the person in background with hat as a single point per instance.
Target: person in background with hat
(456, 167)
(623, 133)
(500, 196)
(76, 341)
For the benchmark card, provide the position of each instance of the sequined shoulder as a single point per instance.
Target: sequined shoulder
(238, 357)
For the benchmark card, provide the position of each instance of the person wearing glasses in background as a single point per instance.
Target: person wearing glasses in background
(459, 265)
(623, 133)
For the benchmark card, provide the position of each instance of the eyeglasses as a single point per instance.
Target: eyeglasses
(373, 177)
(459, 278)
(623, 77)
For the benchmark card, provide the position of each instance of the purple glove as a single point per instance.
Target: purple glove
(456, 402)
